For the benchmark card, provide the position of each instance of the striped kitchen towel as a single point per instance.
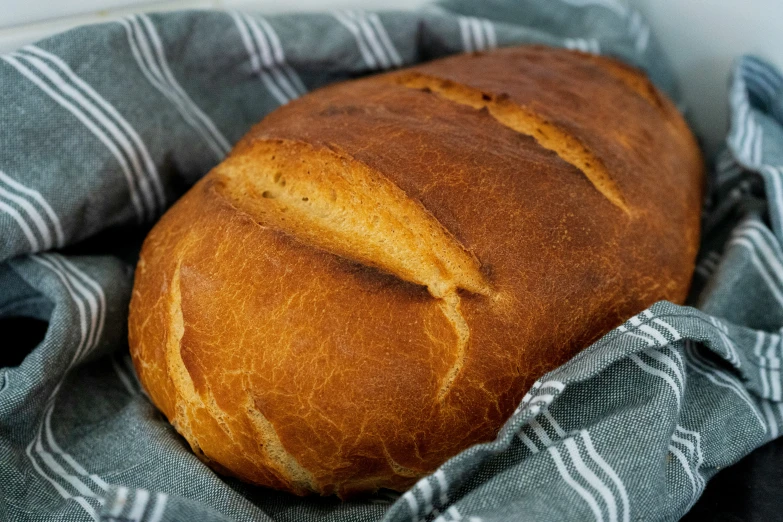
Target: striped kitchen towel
(103, 127)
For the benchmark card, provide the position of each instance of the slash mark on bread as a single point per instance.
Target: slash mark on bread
(190, 400)
(283, 461)
(336, 203)
(449, 305)
(524, 121)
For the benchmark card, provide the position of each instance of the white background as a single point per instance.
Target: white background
(701, 37)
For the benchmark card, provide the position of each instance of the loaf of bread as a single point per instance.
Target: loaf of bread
(373, 278)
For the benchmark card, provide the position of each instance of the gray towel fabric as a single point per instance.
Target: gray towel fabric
(105, 126)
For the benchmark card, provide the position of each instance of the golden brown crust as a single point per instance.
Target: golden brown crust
(425, 253)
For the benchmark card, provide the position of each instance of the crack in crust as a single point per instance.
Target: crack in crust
(283, 461)
(524, 121)
(188, 400)
(449, 305)
(175, 366)
(398, 468)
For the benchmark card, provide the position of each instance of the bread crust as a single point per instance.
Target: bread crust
(377, 273)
